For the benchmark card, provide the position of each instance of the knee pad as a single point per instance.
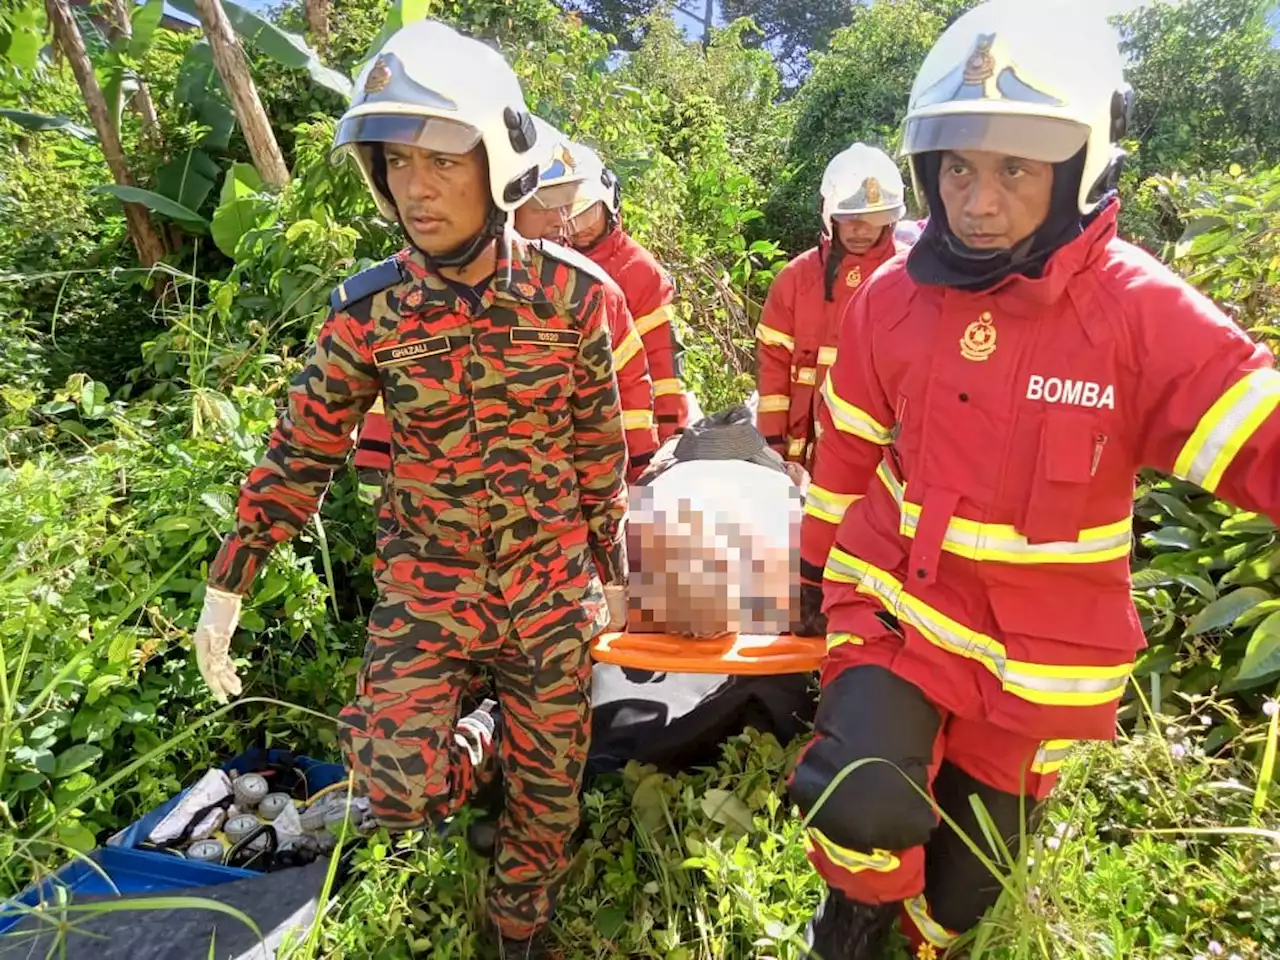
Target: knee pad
(959, 889)
(868, 713)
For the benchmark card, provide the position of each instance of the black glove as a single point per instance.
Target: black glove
(813, 622)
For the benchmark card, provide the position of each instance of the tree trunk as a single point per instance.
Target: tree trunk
(142, 232)
(122, 26)
(234, 70)
(317, 12)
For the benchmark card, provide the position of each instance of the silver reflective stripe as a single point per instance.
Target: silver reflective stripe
(1051, 754)
(992, 546)
(827, 505)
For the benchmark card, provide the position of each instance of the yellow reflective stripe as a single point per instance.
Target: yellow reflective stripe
(1069, 685)
(626, 350)
(651, 321)
(825, 505)
(933, 932)
(667, 388)
(1051, 755)
(807, 376)
(377, 406)
(795, 448)
(775, 338)
(827, 357)
(775, 403)
(837, 639)
(1227, 427)
(637, 419)
(881, 861)
(1002, 543)
(851, 419)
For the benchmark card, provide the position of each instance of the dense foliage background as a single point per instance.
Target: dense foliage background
(132, 402)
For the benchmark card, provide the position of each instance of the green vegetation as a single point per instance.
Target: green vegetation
(133, 401)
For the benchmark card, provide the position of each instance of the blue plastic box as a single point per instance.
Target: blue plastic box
(144, 871)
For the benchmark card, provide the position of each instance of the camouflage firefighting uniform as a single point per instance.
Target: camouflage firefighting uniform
(503, 511)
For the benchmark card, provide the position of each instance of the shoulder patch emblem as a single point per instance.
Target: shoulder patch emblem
(550, 338)
(366, 283)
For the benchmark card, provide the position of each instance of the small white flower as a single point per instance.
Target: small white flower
(1206, 721)
(1216, 948)
(1178, 751)
(1271, 708)
(1053, 843)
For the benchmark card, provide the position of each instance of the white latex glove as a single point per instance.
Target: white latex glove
(212, 640)
(616, 595)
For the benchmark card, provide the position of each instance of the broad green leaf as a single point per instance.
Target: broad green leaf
(240, 209)
(1247, 523)
(40, 122)
(610, 921)
(1262, 658)
(75, 758)
(188, 178)
(76, 836)
(21, 46)
(200, 87)
(1252, 616)
(241, 180)
(724, 807)
(144, 22)
(1226, 610)
(1256, 570)
(1178, 537)
(156, 202)
(1175, 508)
(287, 49)
(231, 221)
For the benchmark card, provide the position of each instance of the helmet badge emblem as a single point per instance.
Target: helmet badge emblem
(981, 65)
(564, 156)
(979, 340)
(871, 187)
(378, 77)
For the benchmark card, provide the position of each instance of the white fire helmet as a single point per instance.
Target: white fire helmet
(862, 183)
(431, 87)
(1039, 81)
(573, 176)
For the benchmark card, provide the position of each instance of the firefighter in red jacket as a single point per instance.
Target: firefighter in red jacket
(862, 202)
(581, 200)
(995, 392)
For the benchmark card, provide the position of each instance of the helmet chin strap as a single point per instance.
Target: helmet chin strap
(465, 253)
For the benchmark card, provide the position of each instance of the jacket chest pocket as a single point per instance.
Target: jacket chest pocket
(1071, 444)
(539, 381)
(424, 375)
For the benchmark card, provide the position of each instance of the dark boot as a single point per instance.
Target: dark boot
(844, 929)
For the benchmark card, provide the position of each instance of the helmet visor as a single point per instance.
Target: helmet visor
(572, 198)
(877, 218)
(429, 133)
(1046, 139)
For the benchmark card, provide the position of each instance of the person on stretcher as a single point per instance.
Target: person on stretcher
(713, 535)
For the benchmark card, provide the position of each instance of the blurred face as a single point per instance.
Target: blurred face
(537, 222)
(994, 202)
(857, 236)
(443, 198)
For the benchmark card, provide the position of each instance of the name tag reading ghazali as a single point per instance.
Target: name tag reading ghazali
(413, 350)
(551, 338)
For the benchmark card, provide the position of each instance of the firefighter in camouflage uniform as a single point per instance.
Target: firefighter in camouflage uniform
(499, 543)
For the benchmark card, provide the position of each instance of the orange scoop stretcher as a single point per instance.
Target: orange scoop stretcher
(733, 653)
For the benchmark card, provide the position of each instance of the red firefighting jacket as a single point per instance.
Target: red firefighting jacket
(650, 295)
(975, 472)
(796, 341)
(635, 385)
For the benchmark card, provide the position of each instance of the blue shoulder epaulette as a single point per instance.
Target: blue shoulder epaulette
(367, 282)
